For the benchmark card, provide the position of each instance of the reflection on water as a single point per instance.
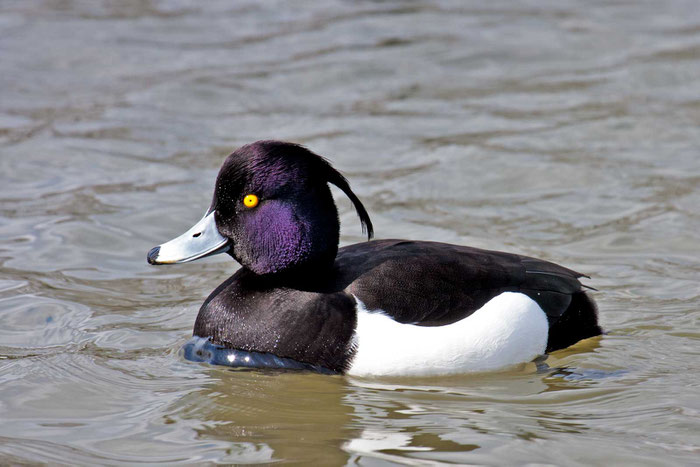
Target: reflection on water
(265, 415)
(279, 415)
(561, 130)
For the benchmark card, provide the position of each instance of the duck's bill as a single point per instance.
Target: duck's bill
(203, 239)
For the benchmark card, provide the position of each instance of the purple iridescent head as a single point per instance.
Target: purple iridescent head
(272, 211)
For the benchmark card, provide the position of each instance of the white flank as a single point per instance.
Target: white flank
(511, 328)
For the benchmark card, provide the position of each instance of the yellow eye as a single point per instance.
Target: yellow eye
(250, 201)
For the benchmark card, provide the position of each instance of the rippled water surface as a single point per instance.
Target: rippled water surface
(560, 129)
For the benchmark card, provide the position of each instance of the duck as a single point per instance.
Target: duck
(385, 307)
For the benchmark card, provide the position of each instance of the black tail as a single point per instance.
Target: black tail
(579, 321)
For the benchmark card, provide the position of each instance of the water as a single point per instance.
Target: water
(557, 129)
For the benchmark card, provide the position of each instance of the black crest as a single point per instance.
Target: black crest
(294, 158)
(337, 179)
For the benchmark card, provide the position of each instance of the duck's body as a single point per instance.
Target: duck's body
(381, 307)
(402, 307)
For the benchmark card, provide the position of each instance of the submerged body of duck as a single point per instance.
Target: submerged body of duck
(383, 307)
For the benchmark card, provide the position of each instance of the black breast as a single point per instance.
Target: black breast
(253, 314)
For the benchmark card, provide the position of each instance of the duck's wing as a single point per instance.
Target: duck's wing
(434, 284)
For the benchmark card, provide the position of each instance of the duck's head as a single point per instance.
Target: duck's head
(272, 211)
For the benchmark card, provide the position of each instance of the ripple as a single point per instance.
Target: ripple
(555, 130)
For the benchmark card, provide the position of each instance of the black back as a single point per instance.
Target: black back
(433, 284)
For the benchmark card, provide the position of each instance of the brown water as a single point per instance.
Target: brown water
(561, 129)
